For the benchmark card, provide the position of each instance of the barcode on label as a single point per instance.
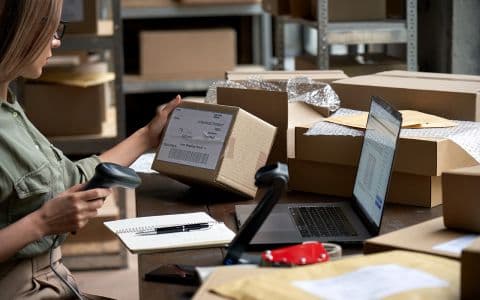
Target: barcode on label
(189, 156)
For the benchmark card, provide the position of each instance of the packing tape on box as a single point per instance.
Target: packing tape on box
(334, 251)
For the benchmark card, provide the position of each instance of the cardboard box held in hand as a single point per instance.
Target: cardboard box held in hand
(217, 145)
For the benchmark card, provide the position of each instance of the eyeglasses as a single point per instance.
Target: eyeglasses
(58, 35)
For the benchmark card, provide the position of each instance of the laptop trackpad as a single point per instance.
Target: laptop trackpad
(274, 229)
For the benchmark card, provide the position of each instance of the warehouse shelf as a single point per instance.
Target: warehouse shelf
(134, 84)
(349, 33)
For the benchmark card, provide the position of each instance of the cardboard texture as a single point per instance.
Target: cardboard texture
(470, 289)
(148, 3)
(246, 148)
(161, 51)
(422, 237)
(83, 109)
(453, 97)
(461, 209)
(338, 180)
(266, 285)
(276, 7)
(83, 17)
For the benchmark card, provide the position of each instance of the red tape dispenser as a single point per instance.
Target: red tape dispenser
(298, 255)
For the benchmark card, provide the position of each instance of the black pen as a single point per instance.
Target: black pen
(175, 228)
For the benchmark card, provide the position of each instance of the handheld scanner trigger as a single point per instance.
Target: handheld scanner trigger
(109, 175)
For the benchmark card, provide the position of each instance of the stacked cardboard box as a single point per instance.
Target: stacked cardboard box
(87, 17)
(187, 54)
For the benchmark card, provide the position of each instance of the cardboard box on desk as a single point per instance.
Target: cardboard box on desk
(461, 209)
(455, 97)
(82, 100)
(273, 106)
(429, 237)
(165, 56)
(84, 17)
(470, 264)
(217, 145)
(332, 161)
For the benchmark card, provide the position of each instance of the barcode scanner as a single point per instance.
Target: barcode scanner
(108, 175)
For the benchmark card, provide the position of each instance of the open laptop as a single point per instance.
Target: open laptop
(341, 221)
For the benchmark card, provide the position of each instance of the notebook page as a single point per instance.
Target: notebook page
(147, 223)
(217, 235)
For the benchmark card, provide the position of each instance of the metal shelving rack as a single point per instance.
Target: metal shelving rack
(374, 32)
(86, 144)
(262, 48)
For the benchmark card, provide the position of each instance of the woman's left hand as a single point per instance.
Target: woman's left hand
(157, 124)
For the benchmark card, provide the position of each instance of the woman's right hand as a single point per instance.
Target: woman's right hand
(70, 210)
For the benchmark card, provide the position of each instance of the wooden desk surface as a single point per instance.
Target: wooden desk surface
(161, 195)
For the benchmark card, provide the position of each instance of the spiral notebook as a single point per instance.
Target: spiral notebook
(218, 234)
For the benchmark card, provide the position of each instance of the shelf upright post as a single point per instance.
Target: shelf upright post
(322, 41)
(280, 42)
(412, 50)
(118, 69)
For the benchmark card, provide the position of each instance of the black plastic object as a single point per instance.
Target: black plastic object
(173, 273)
(275, 177)
(109, 175)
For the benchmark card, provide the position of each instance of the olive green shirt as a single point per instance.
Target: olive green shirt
(32, 171)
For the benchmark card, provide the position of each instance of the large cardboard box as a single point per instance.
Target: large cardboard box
(85, 17)
(276, 7)
(216, 2)
(429, 237)
(78, 110)
(338, 180)
(416, 179)
(454, 97)
(148, 3)
(461, 209)
(470, 289)
(187, 54)
(273, 106)
(222, 146)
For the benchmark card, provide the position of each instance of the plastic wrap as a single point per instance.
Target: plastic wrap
(298, 89)
(465, 134)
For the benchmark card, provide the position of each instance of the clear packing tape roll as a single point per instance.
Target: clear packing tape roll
(465, 134)
(299, 89)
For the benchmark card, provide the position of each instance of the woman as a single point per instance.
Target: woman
(40, 188)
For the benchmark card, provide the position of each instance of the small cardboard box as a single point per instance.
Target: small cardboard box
(470, 289)
(82, 110)
(204, 54)
(429, 237)
(84, 17)
(455, 97)
(222, 146)
(273, 106)
(276, 7)
(461, 209)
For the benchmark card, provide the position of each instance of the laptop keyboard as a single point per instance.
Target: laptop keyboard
(314, 221)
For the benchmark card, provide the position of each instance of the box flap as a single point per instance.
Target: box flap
(422, 237)
(272, 107)
(247, 150)
(468, 171)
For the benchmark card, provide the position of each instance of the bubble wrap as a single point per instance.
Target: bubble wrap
(298, 89)
(465, 134)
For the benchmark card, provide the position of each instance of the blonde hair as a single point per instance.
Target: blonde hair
(26, 28)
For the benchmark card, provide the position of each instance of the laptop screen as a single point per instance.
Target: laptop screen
(376, 160)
